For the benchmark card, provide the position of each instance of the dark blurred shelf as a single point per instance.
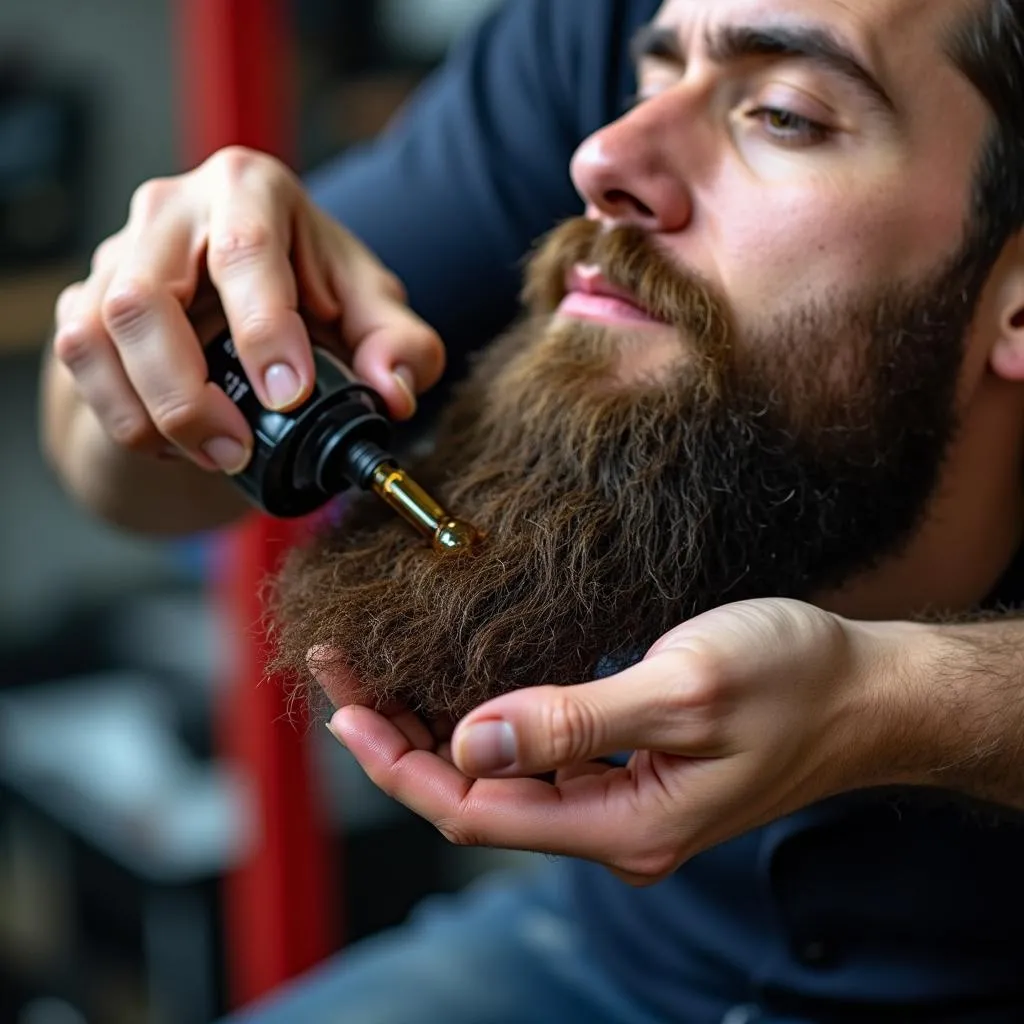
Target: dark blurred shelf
(26, 305)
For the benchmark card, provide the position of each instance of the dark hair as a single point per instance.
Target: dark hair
(988, 46)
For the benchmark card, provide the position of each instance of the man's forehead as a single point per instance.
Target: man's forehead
(873, 23)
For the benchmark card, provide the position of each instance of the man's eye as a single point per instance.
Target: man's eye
(787, 127)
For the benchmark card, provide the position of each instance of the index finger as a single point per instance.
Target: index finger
(603, 816)
(248, 259)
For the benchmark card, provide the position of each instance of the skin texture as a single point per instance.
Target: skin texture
(753, 710)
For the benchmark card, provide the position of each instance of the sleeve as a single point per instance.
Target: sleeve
(476, 167)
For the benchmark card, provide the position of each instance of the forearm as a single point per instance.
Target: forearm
(962, 691)
(131, 491)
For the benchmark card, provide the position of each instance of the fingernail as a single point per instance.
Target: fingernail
(407, 382)
(230, 455)
(488, 747)
(332, 729)
(283, 386)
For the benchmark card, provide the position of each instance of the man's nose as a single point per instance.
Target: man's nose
(626, 174)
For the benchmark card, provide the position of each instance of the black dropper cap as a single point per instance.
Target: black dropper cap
(303, 458)
(337, 439)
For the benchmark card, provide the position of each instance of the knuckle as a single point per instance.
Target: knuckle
(699, 694)
(133, 432)
(235, 161)
(128, 302)
(238, 244)
(572, 727)
(699, 680)
(75, 342)
(66, 306)
(149, 199)
(420, 348)
(427, 344)
(238, 163)
(105, 254)
(176, 416)
(256, 337)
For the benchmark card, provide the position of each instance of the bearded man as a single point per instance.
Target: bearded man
(780, 357)
(762, 422)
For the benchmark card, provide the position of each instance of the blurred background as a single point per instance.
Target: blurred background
(120, 820)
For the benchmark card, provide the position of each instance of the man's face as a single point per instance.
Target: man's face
(790, 151)
(738, 379)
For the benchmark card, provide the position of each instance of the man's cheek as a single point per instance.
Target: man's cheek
(790, 247)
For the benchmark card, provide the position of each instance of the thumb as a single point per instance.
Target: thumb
(539, 730)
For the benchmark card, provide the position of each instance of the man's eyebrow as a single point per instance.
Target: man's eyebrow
(732, 43)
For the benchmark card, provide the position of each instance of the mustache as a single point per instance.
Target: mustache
(628, 258)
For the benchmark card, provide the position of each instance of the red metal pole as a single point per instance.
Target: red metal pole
(277, 904)
(237, 77)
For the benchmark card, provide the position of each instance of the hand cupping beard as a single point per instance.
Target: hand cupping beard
(778, 461)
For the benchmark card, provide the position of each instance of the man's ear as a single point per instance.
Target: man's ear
(1007, 355)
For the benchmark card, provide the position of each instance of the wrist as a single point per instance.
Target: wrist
(906, 725)
(974, 709)
(946, 703)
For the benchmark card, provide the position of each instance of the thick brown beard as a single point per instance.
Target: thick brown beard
(613, 512)
(567, 566)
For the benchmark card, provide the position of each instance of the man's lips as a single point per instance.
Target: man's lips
(591, 296)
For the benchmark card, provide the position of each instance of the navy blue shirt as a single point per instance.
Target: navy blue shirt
(874, 907)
